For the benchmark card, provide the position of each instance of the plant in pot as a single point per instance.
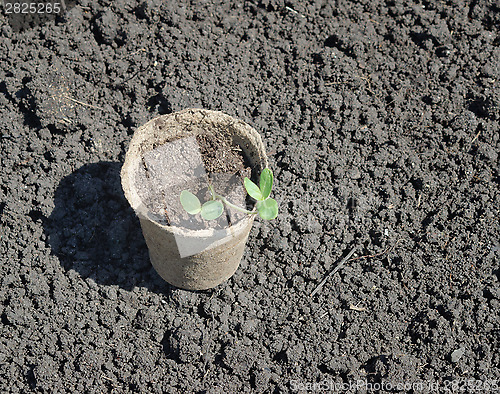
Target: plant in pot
(173, 164)
(266, 207)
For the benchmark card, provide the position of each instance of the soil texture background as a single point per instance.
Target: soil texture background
(381, 120)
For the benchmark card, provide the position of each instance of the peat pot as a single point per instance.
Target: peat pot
(188, 258)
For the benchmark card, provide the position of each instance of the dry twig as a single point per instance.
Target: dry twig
(348, 258)
(82, 103)
(357, 308)
(339, 265)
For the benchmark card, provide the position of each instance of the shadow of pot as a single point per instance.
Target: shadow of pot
(188, 257)
(93, 232)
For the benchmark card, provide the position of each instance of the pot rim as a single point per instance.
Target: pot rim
(137, 142)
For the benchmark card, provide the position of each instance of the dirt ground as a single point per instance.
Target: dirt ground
(381, 120)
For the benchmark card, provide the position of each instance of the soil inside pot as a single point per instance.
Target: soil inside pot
(192, 163)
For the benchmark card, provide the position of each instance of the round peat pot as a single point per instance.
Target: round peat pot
(192, 259)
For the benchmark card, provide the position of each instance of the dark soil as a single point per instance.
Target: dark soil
(220, 155)
(382, 122)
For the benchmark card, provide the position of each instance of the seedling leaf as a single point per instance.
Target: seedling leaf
(266, 182)
(212, 209)
(190, 202)
(268, 209)
(253, 190)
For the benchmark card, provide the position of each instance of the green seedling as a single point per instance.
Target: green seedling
(266, 207)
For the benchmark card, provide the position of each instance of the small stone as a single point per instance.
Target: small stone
(249, 326)
(264, 108)
(457, 354)
(107, 27)
(354, 173)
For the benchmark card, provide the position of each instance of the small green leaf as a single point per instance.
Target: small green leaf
(266, 182)
(253, 189)
(212, 209)
(190, 202)
(268, 209)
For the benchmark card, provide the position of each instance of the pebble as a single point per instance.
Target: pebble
(354, 173)
(457, 354)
